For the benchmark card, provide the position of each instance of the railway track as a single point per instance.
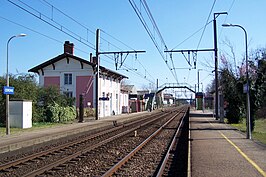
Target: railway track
(92, 155)
(154, 156)
(58, 158)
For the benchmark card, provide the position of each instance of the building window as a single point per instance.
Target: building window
(68, 94)
(104, 80)
(68, 79)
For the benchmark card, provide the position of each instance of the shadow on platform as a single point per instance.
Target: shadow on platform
(201, 115)
(208, 128)
(204, 121)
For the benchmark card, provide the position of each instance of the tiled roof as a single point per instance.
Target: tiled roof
(67, 55)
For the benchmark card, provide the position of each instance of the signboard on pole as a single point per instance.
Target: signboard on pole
(199, 95)
(245, 88)
(8, 90)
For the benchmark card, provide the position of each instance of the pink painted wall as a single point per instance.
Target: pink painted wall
(52, 81)
(84, 85)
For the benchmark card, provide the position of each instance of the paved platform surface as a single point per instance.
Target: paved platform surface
(218, 149)
(28, 138)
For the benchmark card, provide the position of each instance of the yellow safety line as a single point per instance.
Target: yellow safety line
(245, 156)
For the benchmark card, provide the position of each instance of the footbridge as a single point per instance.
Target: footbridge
(175, 85)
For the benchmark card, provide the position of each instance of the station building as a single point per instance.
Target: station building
(75, 76)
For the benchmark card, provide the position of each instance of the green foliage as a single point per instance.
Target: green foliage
(260, 86)
(232, 88)
(231, 96)
(57, 113)
(48, 105)
(2, 102)
(259, 132)
(89, 112)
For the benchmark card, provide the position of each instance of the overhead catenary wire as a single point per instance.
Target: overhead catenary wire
(193, 34)
(91, 31)
(60, 27)
(37, 32)
(158, 32)
(206, 23)
(228, 11)
(148, 30)
(65, 30)
(80, 24)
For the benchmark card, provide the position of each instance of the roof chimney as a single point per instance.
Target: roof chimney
(93, 59)
(68, 47)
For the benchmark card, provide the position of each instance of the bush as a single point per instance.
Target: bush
(67, 114)
(233, 114)
(261, 113)
(57, 113)
(89, 112)
(48, 105)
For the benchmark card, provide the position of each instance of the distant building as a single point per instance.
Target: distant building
(75, 76)
(168, 99)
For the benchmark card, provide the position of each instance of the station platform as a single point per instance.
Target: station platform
(217, 149)
(16, 141)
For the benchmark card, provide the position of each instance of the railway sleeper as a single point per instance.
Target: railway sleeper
(57, 168)
(72, 162)
(42, 157)
(5, 170)
(49, 172)
(63, 165)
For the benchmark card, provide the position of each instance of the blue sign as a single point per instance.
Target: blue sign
(8, 90)
(104, 98)
(245, 88)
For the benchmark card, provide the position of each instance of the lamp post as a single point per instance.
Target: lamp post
(199, 79)
(248, 97)
(7, 84)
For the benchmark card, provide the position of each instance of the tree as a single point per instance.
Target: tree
(259, 56)
(232, 86)
(25, 88)
(43, 99)
(230, 89)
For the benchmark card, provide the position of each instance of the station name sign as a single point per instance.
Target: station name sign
(104, 98)
(8, 90)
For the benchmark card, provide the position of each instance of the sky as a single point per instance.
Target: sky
(182, 26)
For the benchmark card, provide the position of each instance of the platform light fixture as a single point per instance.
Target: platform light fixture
(247, 77)
(7, 82)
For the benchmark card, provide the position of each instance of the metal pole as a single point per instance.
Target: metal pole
(7, 95)
(198, 80)
(195, 97)
(248, 92)
(215, 15)
(216, 66)
(97, 75)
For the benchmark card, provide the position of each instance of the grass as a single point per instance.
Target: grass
(35, 126)
(259, 132)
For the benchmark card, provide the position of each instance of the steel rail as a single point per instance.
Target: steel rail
(80, 153)
(171, 147)
(46, 152)
(13, 163)
(118, 165)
